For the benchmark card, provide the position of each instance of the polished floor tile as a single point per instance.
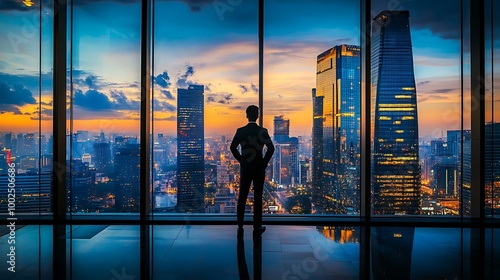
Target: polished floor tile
(284, 252)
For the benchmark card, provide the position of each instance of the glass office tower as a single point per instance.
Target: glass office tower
(127, 165)
(190, 149)
(318, 195)
(396, 171)
(338, 82)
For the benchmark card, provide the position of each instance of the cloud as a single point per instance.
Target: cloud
(184, 81)
(171, 118)
(446, 90)
(167, 94)
(442, 18)
(123, 103)
(163, 106)
(163, 80)
(209, 87)
(221, 98)
(91, 81)
(31, 82)
(244, 89)
(423, 83)
(11, 98)
(254, 88)
(45, 116)
(432, 97)
(92, 100)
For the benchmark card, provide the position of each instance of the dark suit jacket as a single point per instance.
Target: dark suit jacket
(252, 139)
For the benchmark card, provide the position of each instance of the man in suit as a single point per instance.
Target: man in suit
(252, 138)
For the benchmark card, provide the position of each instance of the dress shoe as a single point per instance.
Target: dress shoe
(259, 231)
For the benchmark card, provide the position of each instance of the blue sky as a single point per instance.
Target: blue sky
(215, 43)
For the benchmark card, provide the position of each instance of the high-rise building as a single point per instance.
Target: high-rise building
(33, 192)
(190, 149)
(102, 156)
(396, 171)
(285, 165)
(492, 168)
(304, 171)
(281, 129)
(20, 145)
(127, 169)
(338, 82)
(444, 169)
(8, 141)
(81, 187)
(318, 194)
(285, 160)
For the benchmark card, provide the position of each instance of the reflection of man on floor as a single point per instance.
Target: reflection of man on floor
(252, 138)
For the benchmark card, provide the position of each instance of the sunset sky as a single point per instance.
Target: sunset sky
(215, 44)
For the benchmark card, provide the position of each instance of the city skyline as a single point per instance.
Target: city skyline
(289, 63)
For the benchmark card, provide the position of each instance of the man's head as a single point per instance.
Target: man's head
(252, 113)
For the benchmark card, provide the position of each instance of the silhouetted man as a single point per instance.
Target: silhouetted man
(252, 139)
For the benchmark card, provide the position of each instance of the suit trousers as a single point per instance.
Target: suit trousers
(247, 176)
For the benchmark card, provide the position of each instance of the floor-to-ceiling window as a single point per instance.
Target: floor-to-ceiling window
(417, 118)
(205, 72)
(312, 106)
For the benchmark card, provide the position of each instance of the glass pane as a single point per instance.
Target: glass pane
(316, 55)
(492, 114)
(492, 253)
(104, 252)
(26, 252)
(398, 253)
(205, 75)
(25, 108)
(416, 108)
(465, 149)
(103, 143)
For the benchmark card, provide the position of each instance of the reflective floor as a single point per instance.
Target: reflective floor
(283, 252)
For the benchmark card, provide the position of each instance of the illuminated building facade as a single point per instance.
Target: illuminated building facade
(285, 160)
(190, 149)
(102, 156)
(281, 129)
(338, 83)
(318, 195)
(127, 167)
(32, 192)
(492, 168)
(396, 171)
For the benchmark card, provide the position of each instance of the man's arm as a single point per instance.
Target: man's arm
(234, 147)
(270, 147)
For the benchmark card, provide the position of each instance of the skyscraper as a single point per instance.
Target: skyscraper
(190, 149)
(102, 156)
(338, 82)
(33, 193)
(492, 168)
(281, 129)
(127, 168)
(8, 141)
(285, 160)
(318, 195)
(396, 171)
